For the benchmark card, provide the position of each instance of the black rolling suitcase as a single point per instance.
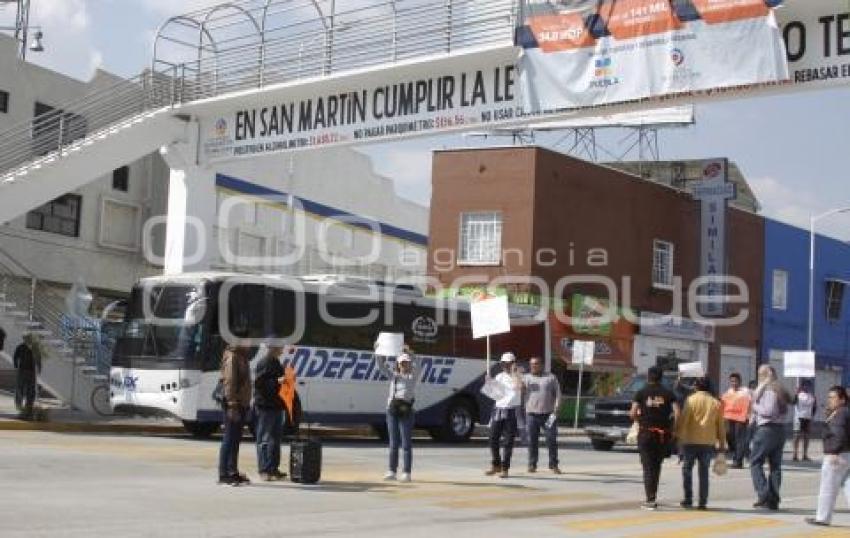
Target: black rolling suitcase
(305, 461)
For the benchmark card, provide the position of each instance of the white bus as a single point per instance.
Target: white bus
(167, 358)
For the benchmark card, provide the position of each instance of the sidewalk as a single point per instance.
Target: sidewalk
(56, 418)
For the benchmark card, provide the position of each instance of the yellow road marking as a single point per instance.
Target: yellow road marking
(647, 519)
(519, 499)
(461, 491)
(732, 526)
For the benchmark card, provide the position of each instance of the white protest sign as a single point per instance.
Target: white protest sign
(583, 351)
(490, 316)
(799, 364)
(493, 390)
(389, 344)
(691, 369)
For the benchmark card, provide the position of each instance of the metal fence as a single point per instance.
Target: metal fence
(238, 46)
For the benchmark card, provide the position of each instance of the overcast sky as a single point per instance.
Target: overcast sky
(793, 149)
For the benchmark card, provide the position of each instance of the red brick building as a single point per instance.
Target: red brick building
(532, 212)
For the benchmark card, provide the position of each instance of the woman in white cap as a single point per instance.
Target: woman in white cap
(400, 412)
(506, 389)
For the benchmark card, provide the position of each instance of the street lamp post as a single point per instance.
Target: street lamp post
(812, 221)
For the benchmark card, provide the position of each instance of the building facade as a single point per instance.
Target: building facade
(786, 305)
(591, 234)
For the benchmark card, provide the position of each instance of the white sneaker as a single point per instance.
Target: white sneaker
(389, 476)
(405, 477)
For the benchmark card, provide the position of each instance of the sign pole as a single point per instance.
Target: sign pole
(488, 357)
(578, 392)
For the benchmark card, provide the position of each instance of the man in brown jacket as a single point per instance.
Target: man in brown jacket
(236, 380)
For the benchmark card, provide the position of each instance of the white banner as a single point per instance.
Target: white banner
(581, 54)
(800, 364)
(817, 38)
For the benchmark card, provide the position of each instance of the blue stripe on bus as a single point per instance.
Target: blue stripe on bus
(322, 210)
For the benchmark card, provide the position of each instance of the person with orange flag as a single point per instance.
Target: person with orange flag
(268, 413)
(736, 413)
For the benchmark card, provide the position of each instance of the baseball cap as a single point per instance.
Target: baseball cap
(508, 357)
(404, 357)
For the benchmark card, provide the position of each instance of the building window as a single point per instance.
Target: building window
(780, 289)
(121, 179)
(480, 238)
(61, 216)
(4, 101)
(834, 298)
(662, 264)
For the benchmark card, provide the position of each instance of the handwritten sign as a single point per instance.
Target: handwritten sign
(389, 344)
(490, 316)
(799, 364)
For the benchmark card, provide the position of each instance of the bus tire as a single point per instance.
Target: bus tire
(459, 423)
(201, 430)
(290, 430)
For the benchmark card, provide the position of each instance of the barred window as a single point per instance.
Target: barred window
(834, 298)
(780, 290)
(480, 238)
(662, 264)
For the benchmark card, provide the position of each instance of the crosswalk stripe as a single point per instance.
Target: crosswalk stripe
(732, 526)
(646, 519)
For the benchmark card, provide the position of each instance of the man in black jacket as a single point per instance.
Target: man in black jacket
(268, 413)
(835, 471)
(27, 361)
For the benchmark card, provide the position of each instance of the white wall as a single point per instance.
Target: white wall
(111, 265)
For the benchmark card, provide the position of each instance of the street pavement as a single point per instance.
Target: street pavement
(84, 484)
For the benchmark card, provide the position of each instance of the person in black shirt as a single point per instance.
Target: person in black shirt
(27, 360)
(268, 413)
(2, 338)
(655, 409)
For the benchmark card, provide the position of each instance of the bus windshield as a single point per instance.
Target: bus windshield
(169, 328)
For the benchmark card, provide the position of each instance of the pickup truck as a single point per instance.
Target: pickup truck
(607, 419)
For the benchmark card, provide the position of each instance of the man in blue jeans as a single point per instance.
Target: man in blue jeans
(268, 413)
(700, 431)
(542, 401)
(770, 405)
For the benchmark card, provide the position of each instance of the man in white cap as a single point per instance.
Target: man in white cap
(507, 389)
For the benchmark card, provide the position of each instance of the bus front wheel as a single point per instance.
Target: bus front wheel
(459, 423)
(201, 430)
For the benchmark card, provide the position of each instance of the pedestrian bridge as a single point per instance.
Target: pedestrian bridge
(237, 54)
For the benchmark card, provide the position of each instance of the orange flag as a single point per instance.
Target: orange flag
(287, 392)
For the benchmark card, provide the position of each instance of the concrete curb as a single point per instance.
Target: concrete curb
(82, 427)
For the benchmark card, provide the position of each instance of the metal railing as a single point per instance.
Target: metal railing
(44, 306)
(238, 46)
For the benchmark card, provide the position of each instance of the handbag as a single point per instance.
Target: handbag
(632, 436)
(720, 466)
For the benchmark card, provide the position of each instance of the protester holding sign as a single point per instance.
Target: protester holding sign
(835, 471)
(805, 406)
(506, 389)
(400, 412)
(770, 405)
(736, 413)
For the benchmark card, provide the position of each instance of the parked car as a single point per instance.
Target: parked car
(607, 419)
